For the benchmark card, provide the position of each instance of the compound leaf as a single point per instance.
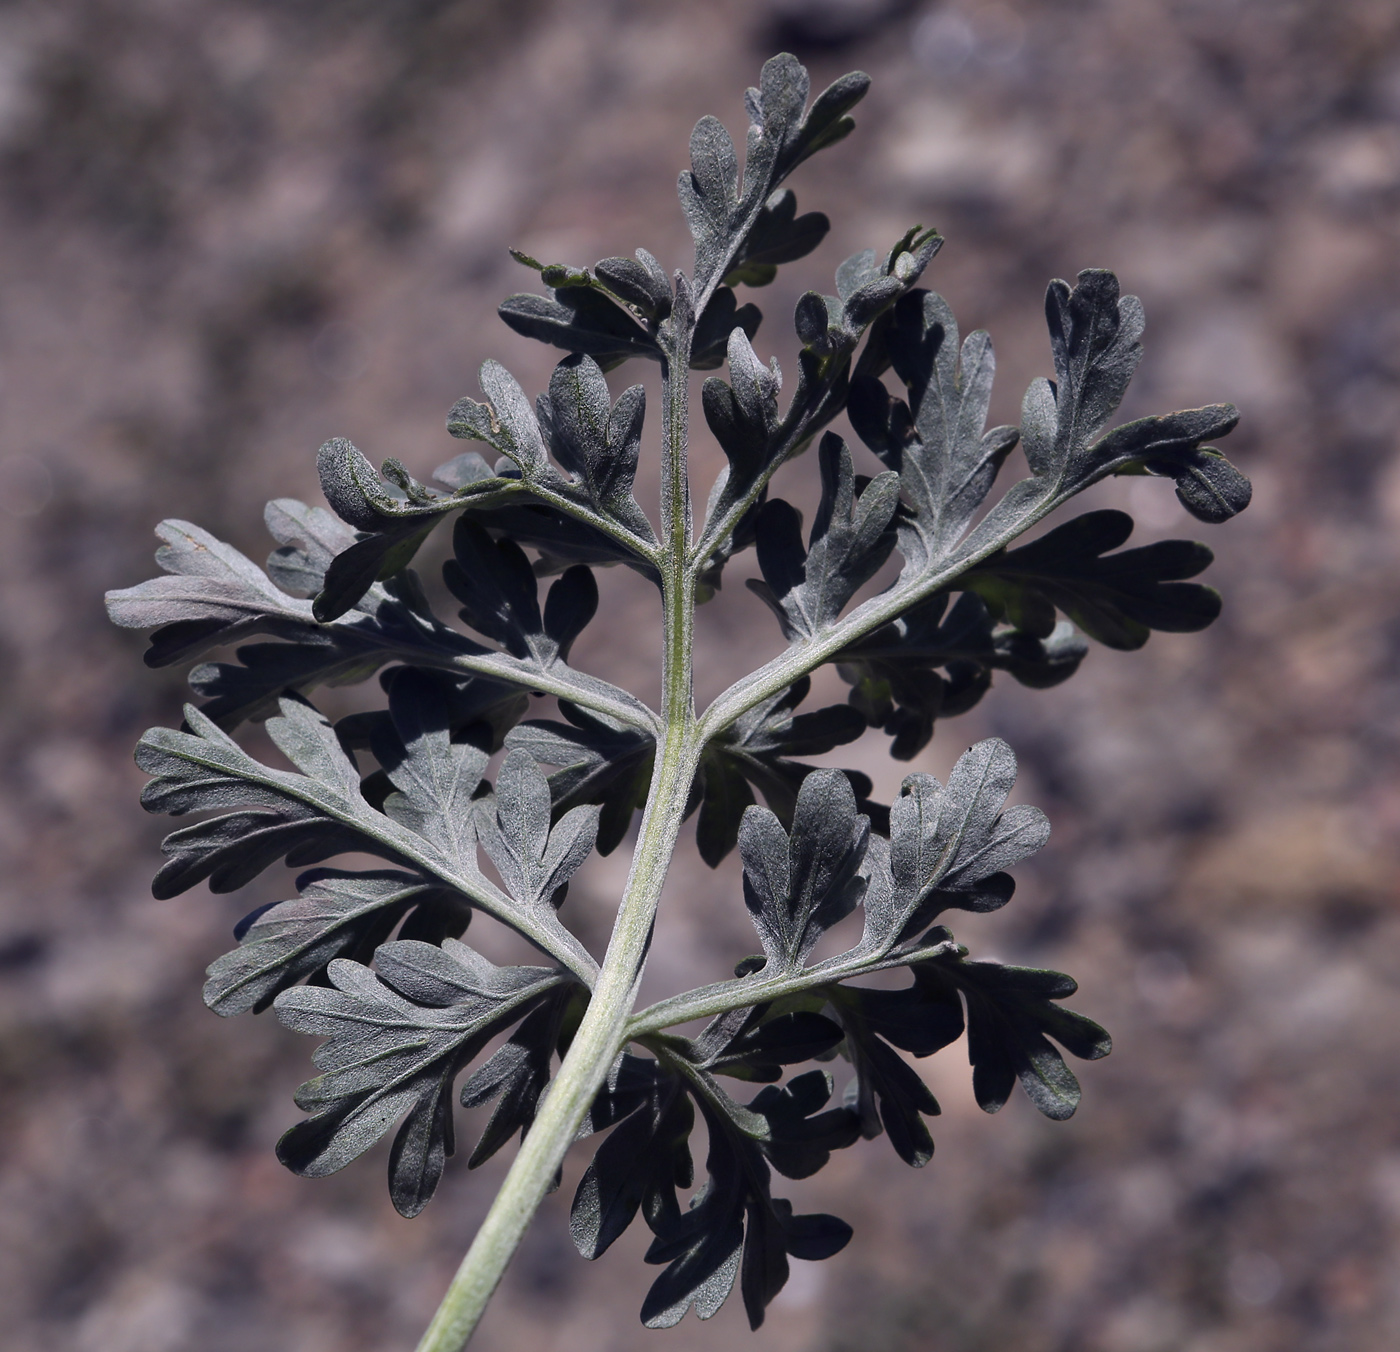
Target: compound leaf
(797, 886)
(395, 1043)
(850, 539)
(516, 1075)
(934, 663)
(1011, 1014)
(434, 778)
(937, 442)
(596, 440)
(888, 1093)
(337, 915)
(602, 762)
(950, 846)
(500, 596)
(534, 860)
(1118, 599)
(757, 749)
(580, 319)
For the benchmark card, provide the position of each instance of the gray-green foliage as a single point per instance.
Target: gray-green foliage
(372, 959)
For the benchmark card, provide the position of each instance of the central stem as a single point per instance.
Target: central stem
(601, 1035)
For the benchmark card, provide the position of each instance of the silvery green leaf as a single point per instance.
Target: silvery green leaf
(1117, 599)
(721, 317)
(580, 319)
(778, 236)
(1094, 339)
(535, 860)
(934, 663)
(734, 1226)
(337, 915)
(888, 1094)
(1011, 1015)
(305, 817)
(213, 595)
(516, 1076)
(798, 886)
(639, 282)
(756, 751)
(277, 814)
(308, 538)
(507, 424)
(950, 846)
(937, 443)
(850, 539)
(395, 1043)
(601, 762)
(743, 414)
(595, 440)
(393, 512)
(500, 596)
(434, 778)
(641, 1163)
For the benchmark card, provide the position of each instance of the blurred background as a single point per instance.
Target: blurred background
(234, 229)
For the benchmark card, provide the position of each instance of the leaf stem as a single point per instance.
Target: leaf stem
(806, 656)
(706, 1001)
(602, 1033)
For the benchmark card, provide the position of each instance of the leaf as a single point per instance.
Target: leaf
(801, 1137)
(1117, 600)
(562, 540)
(305, 818)
(796, 887)
(214, 595)
(320, 812)
(743, 415)
(595, 440)
(217, 596)
(250, 687)
(308, 539)
(850, 539)
(393, 525)
(936, 442)
(950, 846)
(395, 1044)
(1094, 338)
(888, 1093)
(724, 212)
(338, 915)
(602, 762)
(778, 236)
(734, 1226)
(1010, 1015)
(534, 860)
(710, 192)
(499, 594)
(580, 319)
(721, 317)
(867, 288)
(897, 684)
(755, 1043)
(434, 778)
(733, 1221)
(641, 283)
(642, 1163)
(756, 749)
(479, 711)
(516, 1075)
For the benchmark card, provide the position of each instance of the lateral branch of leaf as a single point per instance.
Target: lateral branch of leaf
(544, 930)
(707, 1001)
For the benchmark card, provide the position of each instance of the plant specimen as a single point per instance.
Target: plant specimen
(372, 960)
